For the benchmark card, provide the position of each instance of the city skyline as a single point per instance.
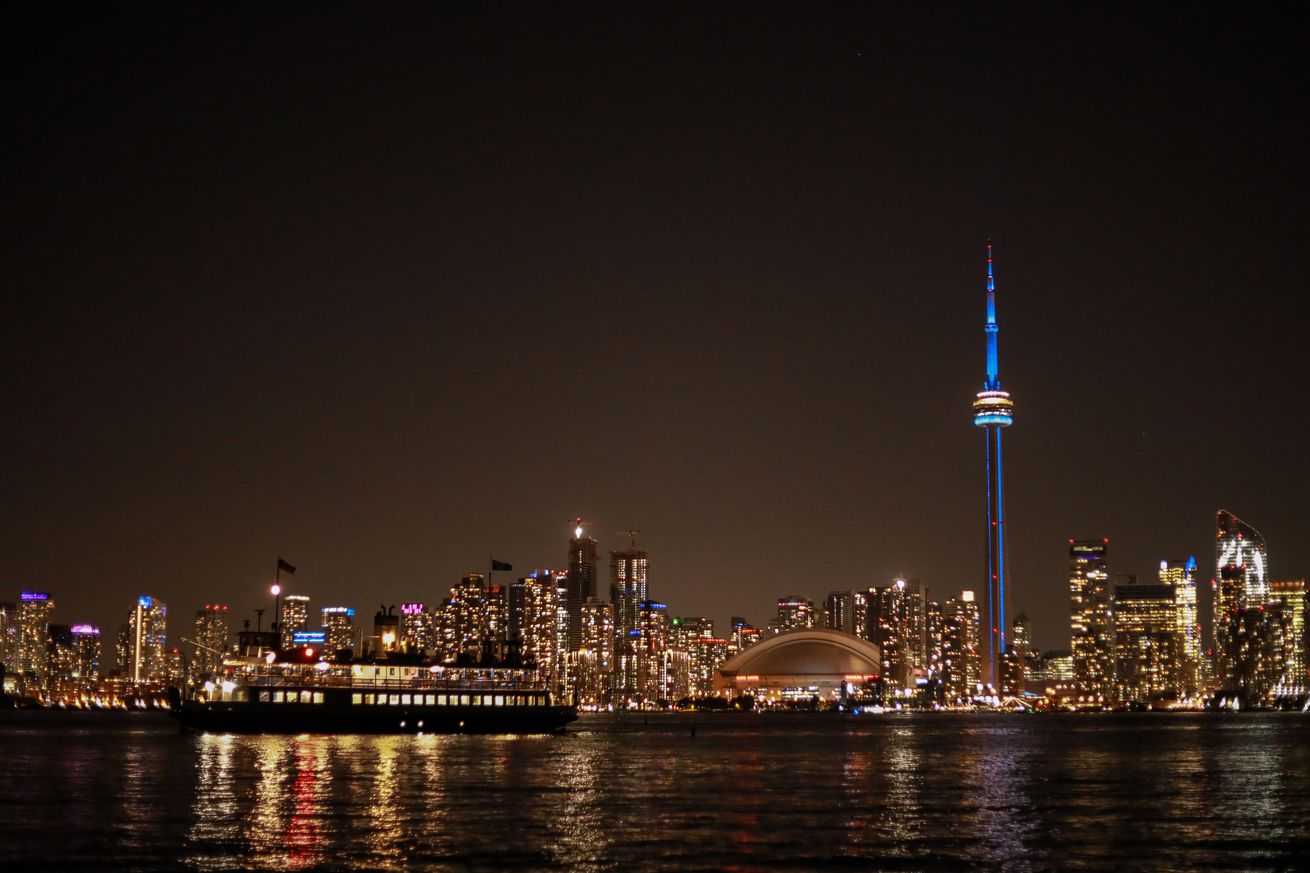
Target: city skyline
(434, 315)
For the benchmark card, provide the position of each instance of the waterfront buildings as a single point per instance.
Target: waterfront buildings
(848, 612)
(1146, 643)
(593, 662)
(1293, 598)
(1181, 577)
(86, 651)
(209, 642)
(581, 581)
(795, 612)
(1248, 634)
(628, 589)
(961, 673)
(339, 630)
(32, 650)
(294, 618)
(147, 626)
(1090, 620)
(993, 411)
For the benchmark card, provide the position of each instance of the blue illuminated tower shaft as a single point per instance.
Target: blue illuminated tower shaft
(993, 411)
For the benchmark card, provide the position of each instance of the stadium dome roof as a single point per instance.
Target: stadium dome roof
(809, 654)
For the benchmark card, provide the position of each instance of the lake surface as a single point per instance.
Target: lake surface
(746, 792)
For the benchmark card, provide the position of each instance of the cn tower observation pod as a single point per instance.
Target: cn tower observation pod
(813, 661)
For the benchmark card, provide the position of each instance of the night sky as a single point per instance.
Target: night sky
(387, 290)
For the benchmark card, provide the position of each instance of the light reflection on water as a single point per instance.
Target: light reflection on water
(744, 793)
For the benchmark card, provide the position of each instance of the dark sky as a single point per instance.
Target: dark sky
(385, 290)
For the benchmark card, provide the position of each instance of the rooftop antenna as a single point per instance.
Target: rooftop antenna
(632, 537)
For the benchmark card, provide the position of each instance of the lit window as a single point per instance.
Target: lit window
(405, 700)
(368, 699)
(441, 700)
(500, 700)
(277, 696)
(318, 696)
(463, 700)
(356, 699)
(306, 697)
(428, 699)
(395, 700)
(263, 697)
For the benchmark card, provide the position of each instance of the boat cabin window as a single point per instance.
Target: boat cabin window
(263, 697)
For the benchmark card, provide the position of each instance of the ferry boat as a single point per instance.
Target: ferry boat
(264, 696)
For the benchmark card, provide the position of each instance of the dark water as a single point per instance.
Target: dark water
(948, 792)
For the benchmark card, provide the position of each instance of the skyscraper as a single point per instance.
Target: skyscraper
(795, 612)
(86, 651)
(1250, 637)
(993, 411)
(33, 645)
(1294, 597)
(1146, 643)
(539, 624)
(847, 611)
(147, 627)
(339, 626)
(210, 642)
(1181, 576)
(581, 581)
(295, 617)
(628, 590)
(1091, 631)
(961, 635)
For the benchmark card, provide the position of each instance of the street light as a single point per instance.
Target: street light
(277, 611)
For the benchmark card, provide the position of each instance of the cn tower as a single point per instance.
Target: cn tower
(993, 412)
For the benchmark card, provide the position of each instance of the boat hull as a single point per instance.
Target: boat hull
(239, 717)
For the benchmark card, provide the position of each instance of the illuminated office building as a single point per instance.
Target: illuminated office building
(1091, 620)
(209, 642)
(61, 682)
(743, 636)
(1254, 655)
(847, 611)
(592, 665)
(147, 628)
(794, 613)
(539, 624)
(707, 655)
(580, 582)
(649, 643)
(86, 652)
(8, 638)
(1146, 643)
(417, 633)
(889, 627)
(32, 661)
(993, 411)
(1293, 597)
(294, 618)
(628, 590)
(961, 635)
(339, 630)
(1181, 577)
(1242, 641)
(470, 617)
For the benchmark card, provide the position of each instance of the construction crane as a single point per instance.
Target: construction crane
(578, 524)
(631, 535)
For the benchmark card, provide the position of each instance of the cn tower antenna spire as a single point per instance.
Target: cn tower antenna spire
(993, 411)
(992, 328)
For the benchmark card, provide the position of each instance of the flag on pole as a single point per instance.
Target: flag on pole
(284, 567)
(500, 565)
